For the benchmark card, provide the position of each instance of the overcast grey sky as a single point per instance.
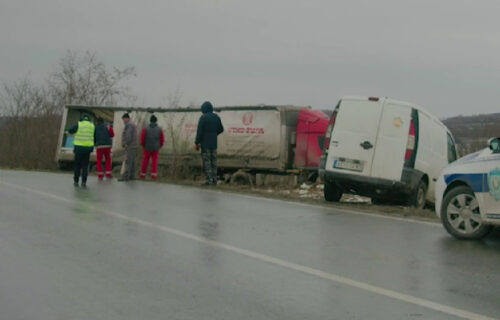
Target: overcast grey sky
(441, 54)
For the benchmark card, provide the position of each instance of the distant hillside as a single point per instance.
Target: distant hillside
(472, 132)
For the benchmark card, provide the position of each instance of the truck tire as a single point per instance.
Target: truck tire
(331, 192)
(240, 178)
(460, 214)
(418, 198)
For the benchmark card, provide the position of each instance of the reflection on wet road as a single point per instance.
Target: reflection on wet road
(152, 251)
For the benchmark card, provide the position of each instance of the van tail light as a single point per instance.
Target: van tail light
(410, 146)
(329, 129)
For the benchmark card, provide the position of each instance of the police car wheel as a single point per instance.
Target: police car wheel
(460, 214)
(331, 192)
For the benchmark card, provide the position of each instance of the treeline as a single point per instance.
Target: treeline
(472, 132)
(30, 113)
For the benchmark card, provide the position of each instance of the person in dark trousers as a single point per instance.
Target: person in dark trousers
(83, 142)
(152, 140)
(209, 127)
(102, 141)
(129, 142)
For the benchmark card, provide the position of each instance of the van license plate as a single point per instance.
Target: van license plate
(353, 165)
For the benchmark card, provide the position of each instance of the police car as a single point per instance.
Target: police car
(468, 193)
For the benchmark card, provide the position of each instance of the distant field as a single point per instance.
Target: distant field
(472, 132)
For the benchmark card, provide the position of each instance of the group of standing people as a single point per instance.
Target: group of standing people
(87, 136)
(151, 140)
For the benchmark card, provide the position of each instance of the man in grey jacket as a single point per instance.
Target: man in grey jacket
(129, 142)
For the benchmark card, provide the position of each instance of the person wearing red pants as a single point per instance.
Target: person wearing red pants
(152, 140)
(102, 141)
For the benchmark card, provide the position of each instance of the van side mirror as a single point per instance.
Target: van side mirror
(494, 144)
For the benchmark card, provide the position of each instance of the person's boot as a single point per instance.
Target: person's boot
(75, 183)
(122, 179)
(84, 185)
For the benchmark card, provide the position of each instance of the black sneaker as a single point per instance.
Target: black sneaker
(123, 179)
(75, 184)
(84, 185)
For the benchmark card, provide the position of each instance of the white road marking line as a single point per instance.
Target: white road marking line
(279, 262)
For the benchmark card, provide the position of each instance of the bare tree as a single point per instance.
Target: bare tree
(29, 121)
(31, 114)
(86, 80)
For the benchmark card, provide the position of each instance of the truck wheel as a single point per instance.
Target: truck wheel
(240, 178)
(331, 192)
(418, 198)
(460, 214)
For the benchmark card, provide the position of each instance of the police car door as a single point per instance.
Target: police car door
(492, 184)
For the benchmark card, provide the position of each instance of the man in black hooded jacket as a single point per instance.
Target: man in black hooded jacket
(209, 127)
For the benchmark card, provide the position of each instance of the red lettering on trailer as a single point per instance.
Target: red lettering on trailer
(242, 130)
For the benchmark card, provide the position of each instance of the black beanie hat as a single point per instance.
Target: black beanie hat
(126, 116)
(153, 118)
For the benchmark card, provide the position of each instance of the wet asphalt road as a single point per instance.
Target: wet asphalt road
(143, 250)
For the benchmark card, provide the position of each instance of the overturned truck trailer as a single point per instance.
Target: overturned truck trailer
(255, 138)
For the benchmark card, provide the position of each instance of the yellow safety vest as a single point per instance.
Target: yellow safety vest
(84, 136)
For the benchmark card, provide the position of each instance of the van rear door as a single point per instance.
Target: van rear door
(354, 136)
(392, 141)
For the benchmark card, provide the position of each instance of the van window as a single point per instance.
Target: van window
(452, 151)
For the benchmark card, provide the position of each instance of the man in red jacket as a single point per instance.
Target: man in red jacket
(152, 140)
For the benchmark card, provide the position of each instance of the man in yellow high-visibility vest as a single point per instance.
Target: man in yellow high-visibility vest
(83, 141)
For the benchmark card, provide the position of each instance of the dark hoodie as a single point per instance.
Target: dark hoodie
(209, 127)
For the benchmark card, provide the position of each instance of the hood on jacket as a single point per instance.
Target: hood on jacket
(153, 124)
(207, 107)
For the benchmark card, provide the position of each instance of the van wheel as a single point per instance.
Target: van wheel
(331, 192)
(460, 214)
(418, 198)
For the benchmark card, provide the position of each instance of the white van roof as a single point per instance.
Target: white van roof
(399, 102)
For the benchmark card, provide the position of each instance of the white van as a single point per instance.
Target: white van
(388, 150)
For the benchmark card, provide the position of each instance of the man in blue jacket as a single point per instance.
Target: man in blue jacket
(209, 127)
